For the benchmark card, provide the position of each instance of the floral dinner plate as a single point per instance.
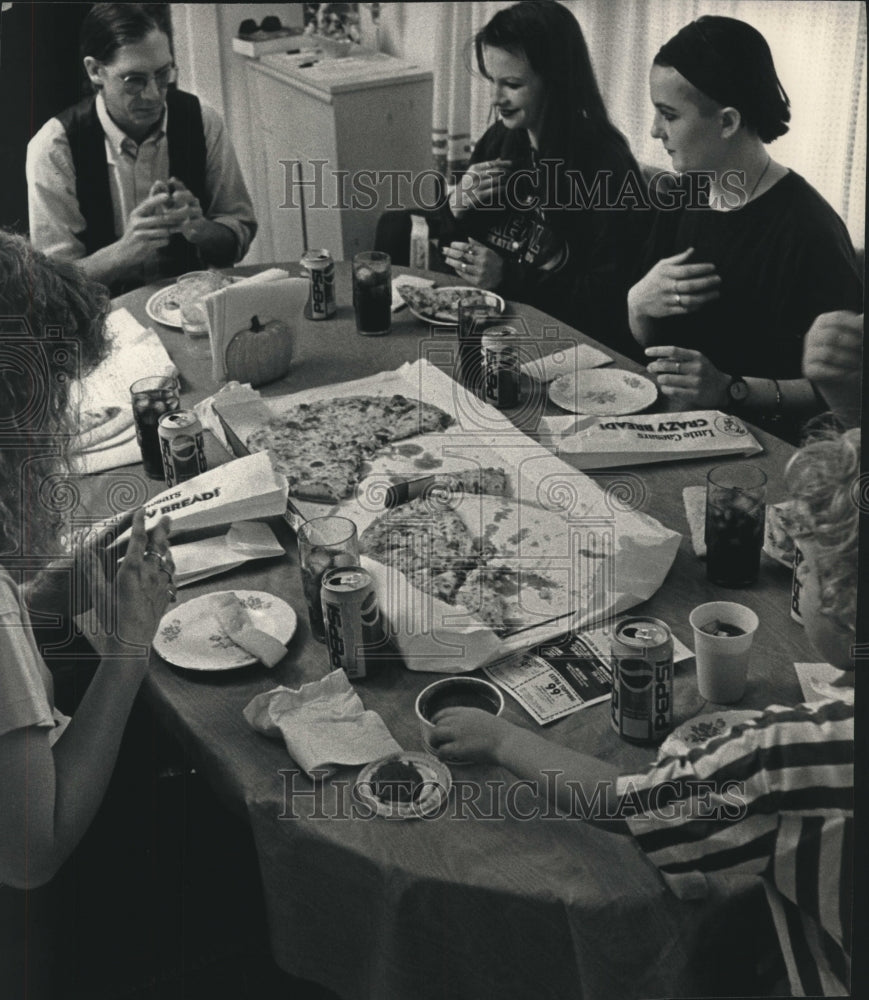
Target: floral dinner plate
(190, 636)
(603, 393)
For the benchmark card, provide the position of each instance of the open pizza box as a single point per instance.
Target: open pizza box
(578, 555)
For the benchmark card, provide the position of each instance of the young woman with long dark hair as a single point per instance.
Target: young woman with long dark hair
(552, 208)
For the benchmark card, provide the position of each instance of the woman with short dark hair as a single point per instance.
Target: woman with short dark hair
(739, 269)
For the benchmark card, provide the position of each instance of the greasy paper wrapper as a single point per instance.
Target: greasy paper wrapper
(323, 724)
(601, 556)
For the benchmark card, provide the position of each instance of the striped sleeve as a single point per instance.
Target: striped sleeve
(774, 797)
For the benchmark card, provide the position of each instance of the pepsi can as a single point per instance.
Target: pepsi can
(642, 666)
(500, 351)
(351, 615)
(181, 445)
(321, 271)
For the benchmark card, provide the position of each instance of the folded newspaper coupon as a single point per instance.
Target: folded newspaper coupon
(604, 442)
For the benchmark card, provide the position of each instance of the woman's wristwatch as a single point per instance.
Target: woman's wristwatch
(737, 392)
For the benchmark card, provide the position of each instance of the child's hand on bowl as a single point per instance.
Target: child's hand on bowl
(469, 734)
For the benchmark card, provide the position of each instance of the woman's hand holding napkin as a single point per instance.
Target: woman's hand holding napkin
(231, 309)
(323, 724)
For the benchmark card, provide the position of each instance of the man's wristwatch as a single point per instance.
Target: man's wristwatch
(737, 392)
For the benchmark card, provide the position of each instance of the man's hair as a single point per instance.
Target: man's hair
(52, 321)
(823, 477)
(110, 26)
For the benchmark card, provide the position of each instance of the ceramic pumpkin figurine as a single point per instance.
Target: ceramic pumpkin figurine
(261, 353)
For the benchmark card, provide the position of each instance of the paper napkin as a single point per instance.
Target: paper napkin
(694, 498)
(823, 680)
(565, 361)
(406, 279)
(323, 724)
(206, 557)
(135, 351)
(230, 311)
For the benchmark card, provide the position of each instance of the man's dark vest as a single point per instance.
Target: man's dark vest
(185, 137)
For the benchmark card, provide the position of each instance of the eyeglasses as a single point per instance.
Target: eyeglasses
(135, 83)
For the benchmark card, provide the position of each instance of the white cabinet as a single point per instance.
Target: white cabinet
(340, 141)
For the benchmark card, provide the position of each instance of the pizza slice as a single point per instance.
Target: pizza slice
(431, 546)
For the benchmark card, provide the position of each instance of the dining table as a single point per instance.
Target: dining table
(478, 901)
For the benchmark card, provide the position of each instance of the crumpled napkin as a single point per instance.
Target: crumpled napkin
(323, 724)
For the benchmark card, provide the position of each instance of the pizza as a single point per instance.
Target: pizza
(428, 542)
(321, 447)
(443, 303)
(492, 575)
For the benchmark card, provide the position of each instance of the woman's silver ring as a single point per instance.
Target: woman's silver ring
(678, 367)
(163, 565)
(173, 593)
(464, 266)
(678, 300)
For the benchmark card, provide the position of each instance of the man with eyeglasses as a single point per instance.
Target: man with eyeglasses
(140, 180)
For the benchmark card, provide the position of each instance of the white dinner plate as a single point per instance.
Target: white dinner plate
(190, 635)
(163, 306)
(436, 789)
(447, 297)
(603, 393)
(702, 728)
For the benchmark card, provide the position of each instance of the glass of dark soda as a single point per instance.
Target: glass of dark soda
(735, 514)
(324, 543)
(372, 292)
(152, 397)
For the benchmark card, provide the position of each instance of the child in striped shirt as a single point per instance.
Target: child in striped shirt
(777, 791)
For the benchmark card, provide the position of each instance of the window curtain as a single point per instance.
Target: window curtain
(819, 48)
